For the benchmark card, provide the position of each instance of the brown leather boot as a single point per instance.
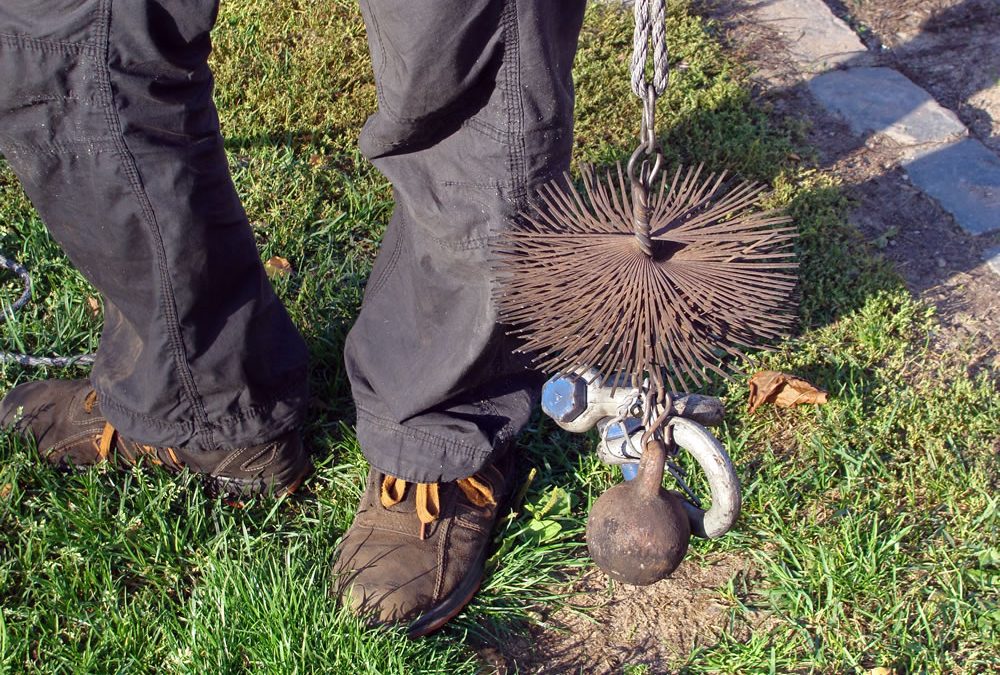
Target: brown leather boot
(64, 417)
(416, 551)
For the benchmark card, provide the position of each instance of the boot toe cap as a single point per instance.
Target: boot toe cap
(382, 581)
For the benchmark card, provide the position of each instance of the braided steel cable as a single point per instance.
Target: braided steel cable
(30, 360)
(650, 28)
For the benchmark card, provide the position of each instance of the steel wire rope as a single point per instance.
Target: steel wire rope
(31, 360)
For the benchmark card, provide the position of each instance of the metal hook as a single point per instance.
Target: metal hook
(648, 144)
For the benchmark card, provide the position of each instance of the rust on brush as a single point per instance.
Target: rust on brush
(581, 289)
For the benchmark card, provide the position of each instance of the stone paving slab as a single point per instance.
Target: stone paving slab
(963, 177)
(817, 40)
(885, 102)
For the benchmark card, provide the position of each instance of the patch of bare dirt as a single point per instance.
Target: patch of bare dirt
(951, 48)
(617, 626)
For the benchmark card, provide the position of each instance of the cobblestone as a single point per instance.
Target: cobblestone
(963, 177)
(817, 40)
(883, 101)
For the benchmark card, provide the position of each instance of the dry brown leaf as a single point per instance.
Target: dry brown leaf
(95, 306)
(277, 266)
(5, 490)
(881, 670)
(783, 390)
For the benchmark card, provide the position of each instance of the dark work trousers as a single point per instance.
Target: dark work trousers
(475, 111)
(107, 118)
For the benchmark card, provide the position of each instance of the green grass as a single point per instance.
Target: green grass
(871, 521)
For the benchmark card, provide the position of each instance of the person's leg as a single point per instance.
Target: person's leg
(106, 116)
(475, 112)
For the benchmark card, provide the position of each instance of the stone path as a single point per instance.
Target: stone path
(933, 146)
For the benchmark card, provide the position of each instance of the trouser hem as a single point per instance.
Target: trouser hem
(252, 425)
(417, 455)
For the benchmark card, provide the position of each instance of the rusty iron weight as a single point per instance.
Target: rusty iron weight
(645, 275)
(638, 532)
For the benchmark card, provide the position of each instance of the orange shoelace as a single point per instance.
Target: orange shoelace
(106, 442)
(89, 401)
(428, 500)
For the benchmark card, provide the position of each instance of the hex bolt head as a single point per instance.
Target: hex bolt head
(564, 398)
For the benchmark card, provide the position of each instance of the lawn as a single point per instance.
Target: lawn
(871, 522)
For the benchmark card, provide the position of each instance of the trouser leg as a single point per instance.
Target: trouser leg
(475, 111)
(106, 116)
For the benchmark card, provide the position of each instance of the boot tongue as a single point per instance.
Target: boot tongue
(428, 505)
(428, 500)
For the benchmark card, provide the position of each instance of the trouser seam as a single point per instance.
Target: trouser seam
(514, 104)
(486, 129)
(62, 147)
(394, 254)
(251, 411)
(38, 44)
(109, 403)
(167, 303)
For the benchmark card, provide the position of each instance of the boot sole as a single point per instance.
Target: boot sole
(232, 490)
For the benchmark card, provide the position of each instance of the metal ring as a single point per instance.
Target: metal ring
(657, 165)
(645, 178)
(655, 427)
(723, 483)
